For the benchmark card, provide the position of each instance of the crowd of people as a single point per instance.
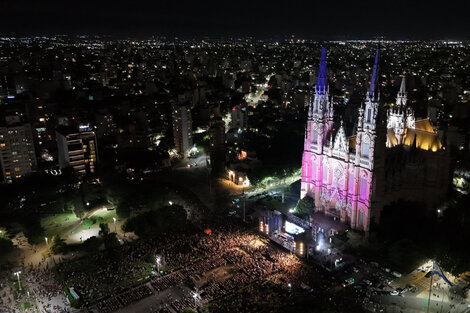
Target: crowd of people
(124, 299)
(46, 289)
(100, 275)
(103, 281)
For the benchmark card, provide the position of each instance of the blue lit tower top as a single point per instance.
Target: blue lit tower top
(320, 86)
(374, 79)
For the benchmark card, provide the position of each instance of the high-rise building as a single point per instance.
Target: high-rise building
(239, 117)
(182, 128)
(17, 154)
(77, 148)
(353, 176)
(217, 148)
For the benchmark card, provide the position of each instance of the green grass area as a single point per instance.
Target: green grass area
(62, 224)
(106, 215)
(58, 223)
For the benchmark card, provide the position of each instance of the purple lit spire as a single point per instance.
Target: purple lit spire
(374, 78)
(320, 86)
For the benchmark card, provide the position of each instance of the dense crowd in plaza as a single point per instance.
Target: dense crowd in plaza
(195, 256)
(99, 276)
(123, 299)
(43, 285)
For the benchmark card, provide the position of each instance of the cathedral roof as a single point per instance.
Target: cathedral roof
(422, 136)
(424, 125)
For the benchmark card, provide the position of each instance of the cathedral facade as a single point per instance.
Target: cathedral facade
(347, 176)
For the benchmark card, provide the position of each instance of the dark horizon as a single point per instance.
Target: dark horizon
(341, 20)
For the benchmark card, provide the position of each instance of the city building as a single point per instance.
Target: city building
(386, 157)
(239, 118)
(17, 154)
(77, 147)
(217, 148)
(182, 128)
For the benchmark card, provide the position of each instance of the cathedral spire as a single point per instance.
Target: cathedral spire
(374, 78)
(320, 86)
(402, 96)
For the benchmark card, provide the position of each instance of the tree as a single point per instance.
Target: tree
(104, 229)
(111, 241)
(78, 208)
(166, 219)
(87, 222)
(189, 310)
(304, 206)
(92, 244)
(57, 244)
(5, 246)
(123, 209)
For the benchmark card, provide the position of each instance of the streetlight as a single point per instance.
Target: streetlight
(18, 275)
(47, 243)
(114, 219)
(157, 260)
(195, 296)
(171, 203)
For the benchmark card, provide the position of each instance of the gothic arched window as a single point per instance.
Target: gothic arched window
(365, 146)
(363, 189)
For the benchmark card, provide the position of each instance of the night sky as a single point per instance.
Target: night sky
(352, 19)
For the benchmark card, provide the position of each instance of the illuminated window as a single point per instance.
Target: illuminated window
(315, 136)
(363, 195)
(365, 149)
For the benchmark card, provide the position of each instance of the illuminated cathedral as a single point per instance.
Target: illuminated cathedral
(390, 155)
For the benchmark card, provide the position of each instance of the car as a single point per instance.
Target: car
(403, 291)
(394, 293)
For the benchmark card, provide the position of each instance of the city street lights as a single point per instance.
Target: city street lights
(18, 275)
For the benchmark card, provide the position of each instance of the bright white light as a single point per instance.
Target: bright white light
(114, 219)
(291, 210)
(171, 203)
(293, 229)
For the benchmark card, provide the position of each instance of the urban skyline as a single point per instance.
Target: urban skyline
(242, 157)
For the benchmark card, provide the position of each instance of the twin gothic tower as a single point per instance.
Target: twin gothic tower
(338, 171)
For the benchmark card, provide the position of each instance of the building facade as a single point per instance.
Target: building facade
(347, 176)
(77, 147)
(217, 148)
(17, 154)
(182, 128)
